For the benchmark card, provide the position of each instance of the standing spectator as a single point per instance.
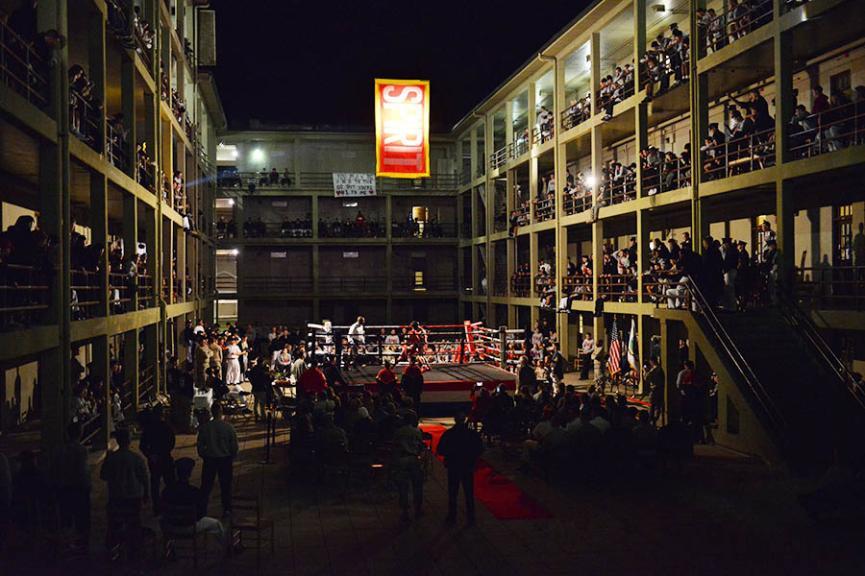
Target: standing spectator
(386, 379)
(657, 384)
(125, 473)
(261, 380)
(408, 443)
(157, 442)
(460, 447)
(412, 383)
(312, 381)
(586, 350)
(217, 446)
(69, 470)
(233, 354)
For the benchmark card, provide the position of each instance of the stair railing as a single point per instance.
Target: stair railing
(802, 322)
(701, 306)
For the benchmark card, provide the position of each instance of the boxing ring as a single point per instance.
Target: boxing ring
(454, 358)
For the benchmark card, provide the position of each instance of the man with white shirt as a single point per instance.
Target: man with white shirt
(356, 332)
(356, 340)
(586, 350)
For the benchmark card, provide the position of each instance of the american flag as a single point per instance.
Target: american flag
(614, 362)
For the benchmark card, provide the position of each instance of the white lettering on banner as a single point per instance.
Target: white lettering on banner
(402, 94)
(350, 184)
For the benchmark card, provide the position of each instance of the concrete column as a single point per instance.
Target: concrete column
(55, 394)
(641, 132)
(532, 112)
(130, 239)
(784, 230)
(131, 368)
(509, 122)
(561, 272)
(127, 91)
(316, 290)
(666, 367)
(101, 363)
(639, 42)
(785, 102)
(643, 228)
(533, 187)
(597, 168)
(151, 354)
(595, 73)
(99, 230)
(297, 161)
(97, 68)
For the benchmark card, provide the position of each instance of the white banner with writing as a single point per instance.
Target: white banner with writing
(352, 184)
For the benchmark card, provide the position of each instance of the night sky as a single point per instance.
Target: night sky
(312, 62)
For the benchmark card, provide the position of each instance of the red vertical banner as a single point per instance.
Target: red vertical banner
(402, 128)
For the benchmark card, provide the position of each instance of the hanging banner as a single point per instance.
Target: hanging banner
(402, 128)
(352, 185)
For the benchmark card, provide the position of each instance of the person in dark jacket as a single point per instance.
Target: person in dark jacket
(711, 274)
(157, 442)
(412, 383)
(261, 381)
(460, 446)
(183, 494)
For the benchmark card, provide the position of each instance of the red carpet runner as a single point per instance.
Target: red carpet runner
(503, 498)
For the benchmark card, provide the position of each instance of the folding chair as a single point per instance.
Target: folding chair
(178, 524)
(247, 517)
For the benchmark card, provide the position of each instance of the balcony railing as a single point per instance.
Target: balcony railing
(727, 27)
(829, 131)
(353, 229)
(618, 192)
(830, 287)
(121, 289)
(578, 287)
(147, 384)
(287, 285)
(667, 179)
(24, 296)
(21, 68)
(545, 208)
(118, 154)
(521, 284)
(146, 291)
(273, 230)
(422, 230)
(345, 285)
(427, 284)
(86, 294)
(575, 115)
(739, 156)
(500, 287)
(522, 214)
(543, 134)
(544, 284)
(577, 200)
(666, 293)
(501, 156)
(84, 120)
(324, 181)
(617, 288)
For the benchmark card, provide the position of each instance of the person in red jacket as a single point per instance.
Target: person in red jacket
(312, 381)
(386, 379)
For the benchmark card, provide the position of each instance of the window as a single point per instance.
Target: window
(839, 82)
(842, 235)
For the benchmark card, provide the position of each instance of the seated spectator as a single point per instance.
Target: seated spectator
(182, 493)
